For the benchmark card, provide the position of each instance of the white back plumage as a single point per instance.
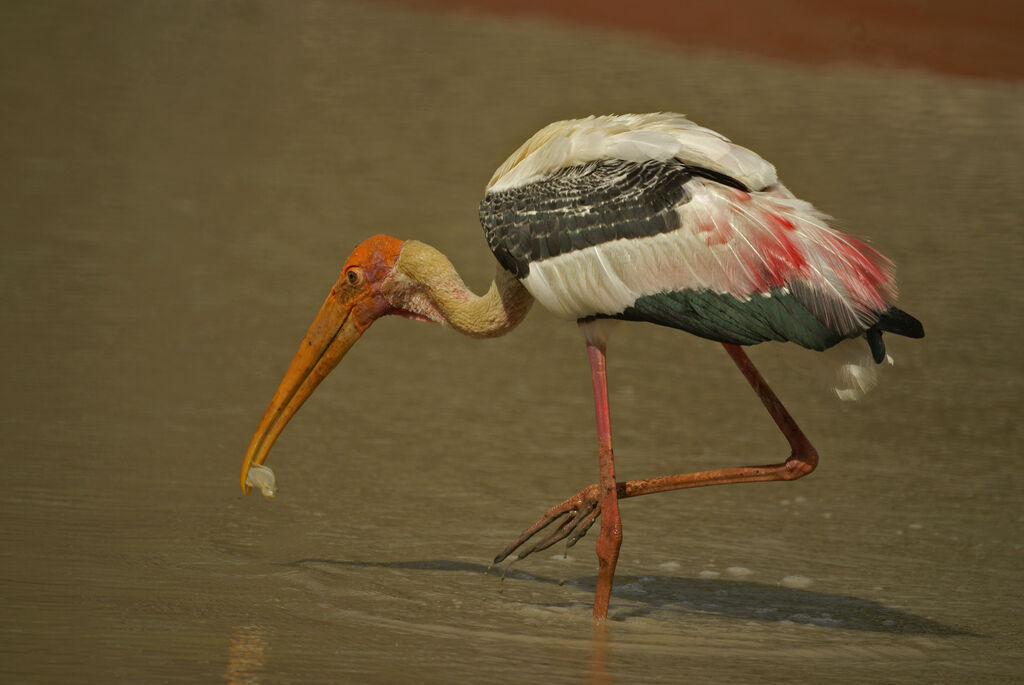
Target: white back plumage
(632, 137)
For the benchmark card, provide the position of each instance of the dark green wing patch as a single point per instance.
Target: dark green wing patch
(725, 318)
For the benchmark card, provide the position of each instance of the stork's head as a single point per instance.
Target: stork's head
(356, 301)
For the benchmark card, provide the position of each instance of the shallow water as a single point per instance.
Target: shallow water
(180, 185)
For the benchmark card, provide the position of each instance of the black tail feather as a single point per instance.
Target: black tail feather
(892, 320)
(899, 322)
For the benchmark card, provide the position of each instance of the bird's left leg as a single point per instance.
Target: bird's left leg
(582, 509)
(607, 503)
(600, 499)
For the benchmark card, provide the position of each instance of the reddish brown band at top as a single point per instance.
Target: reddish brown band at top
(979, 39)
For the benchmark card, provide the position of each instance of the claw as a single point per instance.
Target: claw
(583, 526)
(526, 535)
(579, 511)
(570, 528)
(560, 533)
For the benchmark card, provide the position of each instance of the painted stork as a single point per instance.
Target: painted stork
(639, 217)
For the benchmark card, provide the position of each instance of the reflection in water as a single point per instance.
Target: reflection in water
(247, 655)
(599, 654)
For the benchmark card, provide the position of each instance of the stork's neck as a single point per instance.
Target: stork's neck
(425, 285)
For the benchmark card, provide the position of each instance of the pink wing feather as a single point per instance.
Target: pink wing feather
(775, 240)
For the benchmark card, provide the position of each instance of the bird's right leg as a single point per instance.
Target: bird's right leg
(583, 509)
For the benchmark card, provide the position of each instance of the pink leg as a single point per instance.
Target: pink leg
(610, 538)
(582, 509)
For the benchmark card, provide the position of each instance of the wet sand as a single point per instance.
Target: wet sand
(180, 184)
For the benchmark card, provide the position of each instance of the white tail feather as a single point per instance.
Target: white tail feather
(854, 371)
(855, 379)
(845, 371)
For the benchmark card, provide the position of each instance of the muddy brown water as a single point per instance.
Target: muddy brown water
(180, 184)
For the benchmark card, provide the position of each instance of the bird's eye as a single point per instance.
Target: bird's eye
(354, 276)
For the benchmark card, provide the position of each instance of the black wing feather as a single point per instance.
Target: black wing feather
(585, 205)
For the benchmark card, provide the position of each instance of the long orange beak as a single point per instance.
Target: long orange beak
(341, 320)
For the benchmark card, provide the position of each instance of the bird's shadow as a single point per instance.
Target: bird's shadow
(739, 599)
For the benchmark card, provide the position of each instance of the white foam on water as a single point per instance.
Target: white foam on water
(796, 581)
